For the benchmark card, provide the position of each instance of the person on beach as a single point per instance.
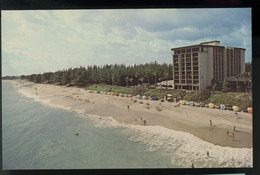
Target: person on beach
(233, 136)
(210, 122)
(77, 134)
(236, 114)
(208, 153)
(128, 108)
(36, 93)
(141, 118)
(234, 128)
(227, 133)
(144, 122)
(192, 165)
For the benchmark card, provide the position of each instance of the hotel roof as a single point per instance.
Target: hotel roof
(207, 44)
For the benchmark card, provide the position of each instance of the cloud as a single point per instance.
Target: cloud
(40, 41)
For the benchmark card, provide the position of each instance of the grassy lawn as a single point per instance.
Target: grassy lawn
(243, 100)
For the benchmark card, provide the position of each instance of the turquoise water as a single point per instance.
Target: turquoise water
(36, 135)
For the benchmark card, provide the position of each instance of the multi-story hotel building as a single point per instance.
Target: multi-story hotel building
(195, 66)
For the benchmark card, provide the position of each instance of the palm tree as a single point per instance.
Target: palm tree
(237, 83)
(127, 81)
(142, 79)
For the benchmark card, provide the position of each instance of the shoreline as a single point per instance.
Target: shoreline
(194, 120)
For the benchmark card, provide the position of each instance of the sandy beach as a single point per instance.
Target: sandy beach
(191, 119)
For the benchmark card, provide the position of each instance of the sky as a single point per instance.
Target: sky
(38, 41)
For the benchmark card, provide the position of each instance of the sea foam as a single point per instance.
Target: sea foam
(183, 148)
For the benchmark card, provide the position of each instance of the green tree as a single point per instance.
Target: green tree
(226, 86)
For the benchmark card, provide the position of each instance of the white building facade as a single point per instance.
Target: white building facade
(195, 66)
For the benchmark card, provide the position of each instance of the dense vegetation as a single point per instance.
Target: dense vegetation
(119, 75)
(129, 79)
(10, 77)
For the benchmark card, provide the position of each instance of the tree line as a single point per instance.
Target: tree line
(117, 74)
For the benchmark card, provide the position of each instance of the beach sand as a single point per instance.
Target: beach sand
(191, 119)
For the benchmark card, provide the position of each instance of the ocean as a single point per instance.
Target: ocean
(36, 135)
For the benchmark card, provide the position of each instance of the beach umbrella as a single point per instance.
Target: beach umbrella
(191, 103)
(125, 95)
(111, 93)
(121, 95)
(235, 108)
(95, 92)
(249, 110)
(154, 98)
(201, 104)
(129, 95)
(101, 92)
(222, 106)
(116, 94)
(105, 93)
(144, 97)
(211, 105)
(138, 96)
(196, 104)
(108, 93)
(183, 102)
(98, 92)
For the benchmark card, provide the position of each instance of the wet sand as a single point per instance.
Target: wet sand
(191, 119)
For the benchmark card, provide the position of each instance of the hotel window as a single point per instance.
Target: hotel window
(195, 54)
(195, 59)
(188, 50)
(195, 49)
(183, 51)
(175, 56)
(202, 49)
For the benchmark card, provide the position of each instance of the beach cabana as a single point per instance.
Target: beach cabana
(249, 110)
(183, 102)
(155, 98)
(144, 97)
(211, 105)
(191, 103)
(235, 108)
(125, 95)
(116, 94)
(222, 106)
(129, 95)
